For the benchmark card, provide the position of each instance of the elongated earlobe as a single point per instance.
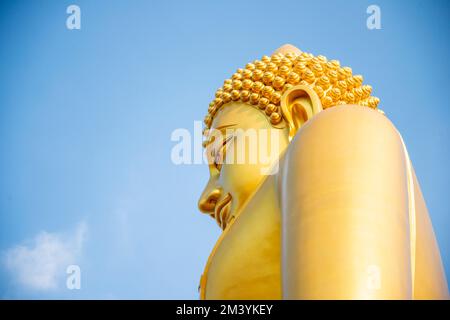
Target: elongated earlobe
(299, 104)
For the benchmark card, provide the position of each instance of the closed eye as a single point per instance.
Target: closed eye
(219, 155)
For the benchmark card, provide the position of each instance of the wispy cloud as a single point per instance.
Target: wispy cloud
(42, 263)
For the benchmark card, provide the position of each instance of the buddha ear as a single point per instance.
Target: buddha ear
(299, 104)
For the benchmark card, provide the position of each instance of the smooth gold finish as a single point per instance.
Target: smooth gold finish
(343, 218)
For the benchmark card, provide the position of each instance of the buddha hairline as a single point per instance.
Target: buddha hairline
(263, 82)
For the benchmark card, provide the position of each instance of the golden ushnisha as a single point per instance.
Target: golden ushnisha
(262, 83)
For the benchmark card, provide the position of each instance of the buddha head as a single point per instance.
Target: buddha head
(274, 96)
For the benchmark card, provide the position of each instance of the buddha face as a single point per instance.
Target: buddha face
(295, 84)
(245, 131)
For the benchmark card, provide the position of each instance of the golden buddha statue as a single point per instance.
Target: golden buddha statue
(343, 215)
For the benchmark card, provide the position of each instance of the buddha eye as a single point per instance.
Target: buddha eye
(219, 156)
(218, 160)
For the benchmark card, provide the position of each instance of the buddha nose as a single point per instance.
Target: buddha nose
(208, 199)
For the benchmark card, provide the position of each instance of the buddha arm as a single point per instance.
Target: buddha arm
(345, 219)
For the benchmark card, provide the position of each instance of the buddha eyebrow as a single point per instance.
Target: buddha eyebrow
(225, 126)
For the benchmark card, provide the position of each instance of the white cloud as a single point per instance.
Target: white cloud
(42, 264)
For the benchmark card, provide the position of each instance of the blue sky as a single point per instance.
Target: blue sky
(86, 117)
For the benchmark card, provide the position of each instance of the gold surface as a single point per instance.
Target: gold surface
(342, 218)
